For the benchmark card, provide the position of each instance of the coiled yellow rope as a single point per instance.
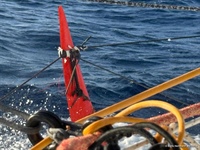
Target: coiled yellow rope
(120, 117)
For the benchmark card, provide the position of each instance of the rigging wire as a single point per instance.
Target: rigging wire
(144, 41)
(25, 115)
(5, 108)
(147, 5)
(18, 87)
(132, 81)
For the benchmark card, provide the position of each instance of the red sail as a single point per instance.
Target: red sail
(79, 106)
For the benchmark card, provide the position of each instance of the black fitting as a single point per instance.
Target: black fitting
(43, 116)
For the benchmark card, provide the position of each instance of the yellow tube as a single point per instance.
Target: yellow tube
(42, 144)
(109, 121)
(160, 104)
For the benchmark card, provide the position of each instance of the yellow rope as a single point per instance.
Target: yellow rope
(160, 104)
(120, 117)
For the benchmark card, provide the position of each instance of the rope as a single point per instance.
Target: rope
(133, 81)
(187, 112)
(71, 77)
(147, 5)
(27, 130)
(5, 108)
(144, 41)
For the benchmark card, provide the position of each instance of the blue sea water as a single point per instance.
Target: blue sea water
(29, 38)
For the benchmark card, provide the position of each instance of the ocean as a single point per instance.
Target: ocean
(29, 38)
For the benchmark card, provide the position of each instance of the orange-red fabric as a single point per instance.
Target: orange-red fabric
(78, 143)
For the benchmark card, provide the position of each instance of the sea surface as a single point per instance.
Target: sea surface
(29, 38)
